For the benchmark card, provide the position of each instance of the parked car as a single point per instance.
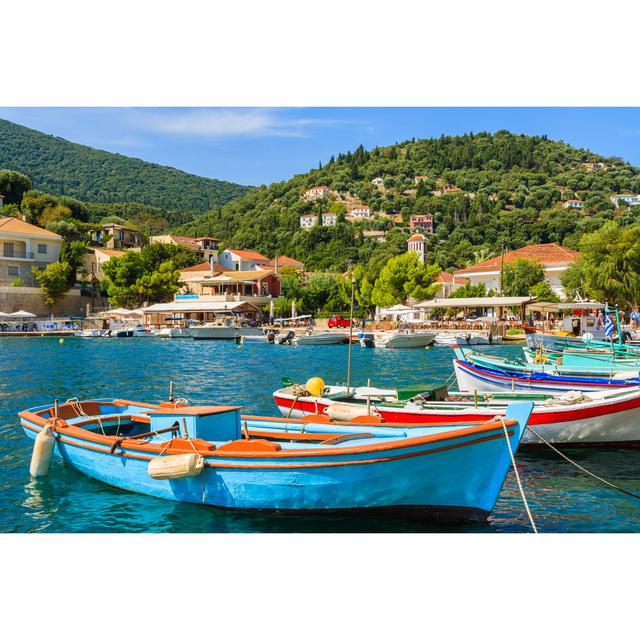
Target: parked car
(338, 322)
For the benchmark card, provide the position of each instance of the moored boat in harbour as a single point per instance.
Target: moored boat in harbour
(214, 456)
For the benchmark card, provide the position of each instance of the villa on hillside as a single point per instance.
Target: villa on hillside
(360, 212)
(329, 219)
(117, 236)
(419, 179)
(316, 193)
(629, 199)
(555, 260)
(573, 204)
(424, 222)
(284, 261)
(237, 260)
(23, 246)
(308, 221)
(257, 286)
(206, 247)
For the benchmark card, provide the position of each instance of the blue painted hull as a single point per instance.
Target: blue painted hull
(458, 477)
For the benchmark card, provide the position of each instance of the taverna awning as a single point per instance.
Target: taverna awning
(471, 303)
(201, 307)
(555, 307)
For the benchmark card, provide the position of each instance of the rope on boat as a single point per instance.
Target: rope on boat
(515, 470)
(76, 405)
(575, 464)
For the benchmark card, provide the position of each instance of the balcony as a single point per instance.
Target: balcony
(17, 255)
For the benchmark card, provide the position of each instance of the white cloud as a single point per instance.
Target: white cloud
(217, 123)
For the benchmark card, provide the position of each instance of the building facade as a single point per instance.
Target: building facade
(237, 260)
(573, 204)
(308, 221)
(116, 236)
(555, 260)
(205, 247)
(629, 199)
(316, 193)
(24, 246)
(360, 212)
(95, 257)
(329, 219)
(424, 222)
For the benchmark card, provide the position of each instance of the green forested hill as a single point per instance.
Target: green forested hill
(60, 167)
(483, 190)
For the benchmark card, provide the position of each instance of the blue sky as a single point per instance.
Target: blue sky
(260, 146)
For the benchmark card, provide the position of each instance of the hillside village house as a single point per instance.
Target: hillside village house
(236, 260)
(95, 257)
(417, 243)
(378, 236)
(573, 204)
(316, 193)
(379, 182)
(629, 199)
(423, 222)
(23, 246)
(308, 221)
(555, 260)
(205, 247)
(329, 219)
(116, 236)
(360, 212)
(419, 179)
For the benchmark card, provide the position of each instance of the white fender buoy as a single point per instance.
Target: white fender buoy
(42, 452)
(345, 412)
(172, 467)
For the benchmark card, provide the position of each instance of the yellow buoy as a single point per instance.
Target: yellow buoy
(315, 386)
(61, 341)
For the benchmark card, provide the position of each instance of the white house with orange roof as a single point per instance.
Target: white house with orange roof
(205, 246)
(419, 179)
(284, 261)
(572, 204)
(449, 282)
(96, 257)
(417, 243)
(308, 221)
(555, 260)
(360, 212)
(316, 193)
(237, 260)
(23, 246)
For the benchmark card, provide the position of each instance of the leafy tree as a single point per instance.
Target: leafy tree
(573, 280)
(34, 203)
(71, 253)
(53, 281)
(610, 264)
(13, 186)
(470, 291)
(520, 276)
(54, 214)
(543, 292)
(405, 277)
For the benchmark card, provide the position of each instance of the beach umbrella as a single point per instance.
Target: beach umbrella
(293, 308)
(271, 309)
(377, 314)
(22, 314)
(4, 315)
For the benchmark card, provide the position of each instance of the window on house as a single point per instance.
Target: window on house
(14, 271)
(8, 249)
(42, 248)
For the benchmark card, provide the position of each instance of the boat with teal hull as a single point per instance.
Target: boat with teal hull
(213, 456)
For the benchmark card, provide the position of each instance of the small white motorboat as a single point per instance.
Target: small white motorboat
(92, 333)
(449, 339)
(402, 340)
(173, 332)
(214, 331)
(326, 337)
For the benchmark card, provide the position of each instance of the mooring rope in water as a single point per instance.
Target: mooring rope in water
(575, 464)
(515, 470)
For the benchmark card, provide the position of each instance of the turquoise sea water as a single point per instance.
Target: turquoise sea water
(36, 370)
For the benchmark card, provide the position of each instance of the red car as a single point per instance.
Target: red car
(337, 322)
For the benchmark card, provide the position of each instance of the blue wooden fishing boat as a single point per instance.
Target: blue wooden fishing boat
(212, 455)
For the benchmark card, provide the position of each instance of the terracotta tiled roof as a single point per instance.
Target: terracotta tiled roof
(283, 261)
(112, 253)
(447, 278)
(14, 225)
(416, 236)
(249, 255)
(203, 266)
(548, 255)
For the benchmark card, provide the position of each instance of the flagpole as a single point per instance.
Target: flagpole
(619, 327)
(353, 288)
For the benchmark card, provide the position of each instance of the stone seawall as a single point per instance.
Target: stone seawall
(30, 299)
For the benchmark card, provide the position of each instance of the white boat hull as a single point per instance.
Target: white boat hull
(405, 341)
(222, 332)
(321, 338)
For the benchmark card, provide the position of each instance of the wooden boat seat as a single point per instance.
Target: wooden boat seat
(249, 446)
(67, 411)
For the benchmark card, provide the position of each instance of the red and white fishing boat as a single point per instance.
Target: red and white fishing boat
(610, 417)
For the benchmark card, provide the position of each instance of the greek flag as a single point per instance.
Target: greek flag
(608, 326)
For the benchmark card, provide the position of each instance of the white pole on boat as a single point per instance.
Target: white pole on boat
(353, 289)
(171, 391)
